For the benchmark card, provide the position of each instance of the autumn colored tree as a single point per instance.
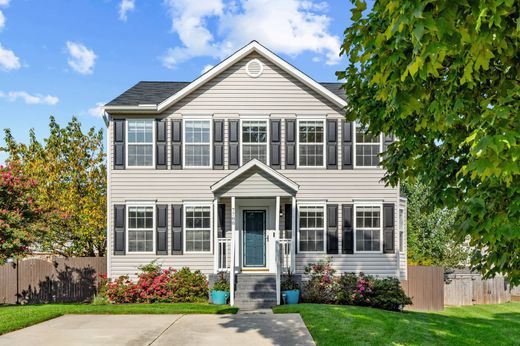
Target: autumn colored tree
(444, 77)
(70, 168)
(19, 214)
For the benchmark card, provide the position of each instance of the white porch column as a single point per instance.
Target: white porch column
(277, 218)
(216, 249)
(233, 250)
(293, 235)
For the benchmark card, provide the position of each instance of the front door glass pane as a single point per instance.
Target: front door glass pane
(254, 238)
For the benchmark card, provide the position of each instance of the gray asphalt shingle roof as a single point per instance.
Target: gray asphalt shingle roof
(156, 92)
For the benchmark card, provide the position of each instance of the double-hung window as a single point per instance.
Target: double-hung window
(140, 136)
(197, 147)
(197, 221)
(368, 148)
(311, 228)
(368, 228)
(311, 143)
(254, 140)
(140, 228)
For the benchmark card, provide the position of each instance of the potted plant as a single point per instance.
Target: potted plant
(220, 290)
(290, 289)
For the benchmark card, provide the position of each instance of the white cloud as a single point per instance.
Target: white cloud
(285, 26)
(35, 99)
(2, 20)
(4, 2)
(125, 6)
(206, 68)
(81, 58)
(97, 110)
(8, 60)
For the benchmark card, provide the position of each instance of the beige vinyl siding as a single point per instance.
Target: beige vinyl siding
(230, 95)
(254, 182)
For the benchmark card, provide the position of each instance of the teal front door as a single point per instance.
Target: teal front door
(254, 238)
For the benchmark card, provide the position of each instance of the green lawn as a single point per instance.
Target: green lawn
(350, 325)
(13, 317)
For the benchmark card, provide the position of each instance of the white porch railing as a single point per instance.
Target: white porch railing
(286, 256)
(223, 252)
(278, 260)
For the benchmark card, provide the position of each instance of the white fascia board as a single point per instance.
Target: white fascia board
(254, 163)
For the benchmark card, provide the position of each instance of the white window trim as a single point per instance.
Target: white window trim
(380, 205)
(127, 142)
(184, 143)
(211, 225)
(401, 248)
(305, 119)
(127, 223)
(312, 204)
(354, 142)
(266, 144)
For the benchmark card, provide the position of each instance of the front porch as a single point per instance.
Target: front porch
(259, 238)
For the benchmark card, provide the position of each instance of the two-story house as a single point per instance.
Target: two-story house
(249, 168)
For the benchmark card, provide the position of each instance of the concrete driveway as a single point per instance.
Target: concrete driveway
(228, 330)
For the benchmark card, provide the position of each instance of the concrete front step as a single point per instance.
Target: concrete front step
(248, 305)
(255, 295)
(246, 286)
(255, 291)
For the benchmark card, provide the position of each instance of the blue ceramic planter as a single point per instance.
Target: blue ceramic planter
(292, 296)
(219, 297)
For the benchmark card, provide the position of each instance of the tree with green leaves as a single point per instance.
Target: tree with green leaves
(444, 77)
(430, 231)
(70, 169)
(19, 213)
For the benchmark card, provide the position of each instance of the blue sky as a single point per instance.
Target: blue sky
(64, 58)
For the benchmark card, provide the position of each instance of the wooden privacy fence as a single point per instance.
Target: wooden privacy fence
(54, 280)
(425, 285)
(466, 288)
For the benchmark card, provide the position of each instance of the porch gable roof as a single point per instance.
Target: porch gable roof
(251, 165)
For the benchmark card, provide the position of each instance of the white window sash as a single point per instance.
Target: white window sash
(324, 228)
(380, 228)
(128, 144)
(356, 143)
(128, 229)
(266, 144)
(298, 143)
(184, 228)
(208, 144)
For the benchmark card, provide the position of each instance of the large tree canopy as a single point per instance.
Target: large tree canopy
(444, 77)
(70, 174)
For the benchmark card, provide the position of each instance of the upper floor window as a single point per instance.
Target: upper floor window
(368, 230)
(198, 228)
(140, 228)
(140, 143)
(311, 143)
(197, 134)
(368, 148)
(254, 140)
(311, 229)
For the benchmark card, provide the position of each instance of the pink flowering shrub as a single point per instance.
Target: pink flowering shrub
(322, 286)
(155, 285)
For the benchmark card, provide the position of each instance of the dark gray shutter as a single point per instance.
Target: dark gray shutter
(348, 229)
(177, 229)
(176, 144)
(161, 228)
(161, 160)
(221, 220)
(119, 143)
(388, 228)
(119, 229)
(275, 144)
(287, 220)
(234, 152)
(218, 144)
(332, 228)
(290, 143)
(387, 140)
(332, 144)
(347, 148)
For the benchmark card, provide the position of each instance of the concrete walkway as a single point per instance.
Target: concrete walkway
(241, 329)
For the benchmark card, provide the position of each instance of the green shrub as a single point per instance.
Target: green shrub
(388, 294)
(221, 284)
(347, 283)
(289, 282)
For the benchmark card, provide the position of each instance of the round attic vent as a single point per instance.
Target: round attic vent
(254, 68)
